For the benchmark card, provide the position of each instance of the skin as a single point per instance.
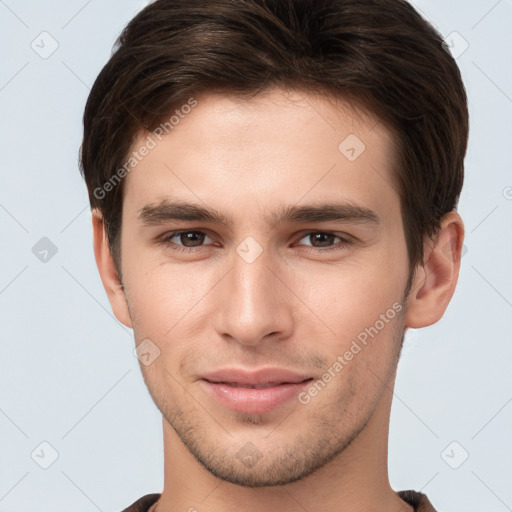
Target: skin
(295, 306)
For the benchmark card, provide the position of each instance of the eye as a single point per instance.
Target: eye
(194, 240)
(322, 241)
(184, 240)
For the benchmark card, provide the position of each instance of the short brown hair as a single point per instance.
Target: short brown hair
(378, 54)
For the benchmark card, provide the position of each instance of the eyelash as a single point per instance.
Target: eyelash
(166, 241)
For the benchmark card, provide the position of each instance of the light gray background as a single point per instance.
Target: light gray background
(68, 375)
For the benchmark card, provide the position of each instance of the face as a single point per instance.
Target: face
(283, 268)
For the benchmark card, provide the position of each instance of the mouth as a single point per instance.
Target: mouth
(255, 386)
(254, 399)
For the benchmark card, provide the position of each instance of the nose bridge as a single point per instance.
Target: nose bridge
(253, 302)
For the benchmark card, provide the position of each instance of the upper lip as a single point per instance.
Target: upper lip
(255, 377)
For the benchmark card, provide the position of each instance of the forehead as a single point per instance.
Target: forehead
(278, 146)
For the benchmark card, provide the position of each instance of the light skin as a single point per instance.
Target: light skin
(296, 305)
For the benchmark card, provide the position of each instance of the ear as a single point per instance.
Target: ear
(434, 281)
(107, 270)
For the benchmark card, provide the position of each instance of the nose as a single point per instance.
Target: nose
(254, 301)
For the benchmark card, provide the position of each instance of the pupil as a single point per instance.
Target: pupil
(191, 236)
(318, 238)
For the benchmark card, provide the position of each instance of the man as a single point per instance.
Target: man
(273, 186)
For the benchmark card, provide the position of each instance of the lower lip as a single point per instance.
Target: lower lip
(254, 401)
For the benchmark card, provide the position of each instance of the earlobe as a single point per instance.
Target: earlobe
(107, 270)
(435, 281)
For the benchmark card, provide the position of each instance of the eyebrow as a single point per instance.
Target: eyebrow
(175, 210)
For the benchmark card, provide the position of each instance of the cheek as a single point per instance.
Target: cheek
(347, 299)
(165, 299)
(167, 309)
